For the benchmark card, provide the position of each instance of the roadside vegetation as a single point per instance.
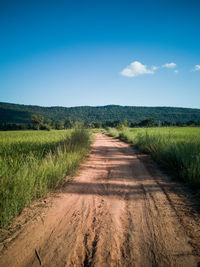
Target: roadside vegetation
(34, 162)
(177, 149)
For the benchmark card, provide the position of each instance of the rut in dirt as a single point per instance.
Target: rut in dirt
(119, 211)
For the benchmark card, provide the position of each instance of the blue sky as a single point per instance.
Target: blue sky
(72, 53)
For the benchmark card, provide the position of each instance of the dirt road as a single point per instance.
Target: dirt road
(119, 211)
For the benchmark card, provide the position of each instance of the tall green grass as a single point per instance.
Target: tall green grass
(177, 149)
(34, 162)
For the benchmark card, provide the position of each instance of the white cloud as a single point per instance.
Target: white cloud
(169, 65)
(135, 69)
(196, 67)
(176, 71)
(154, 68)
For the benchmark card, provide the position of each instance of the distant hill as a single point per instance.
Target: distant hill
(15, 113)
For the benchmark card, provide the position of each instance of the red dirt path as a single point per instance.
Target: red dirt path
(119, 211)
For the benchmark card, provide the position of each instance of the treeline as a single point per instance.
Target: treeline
(39, 123)
(149, 122)
(21, 114)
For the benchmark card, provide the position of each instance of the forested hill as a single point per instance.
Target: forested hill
(14, 113)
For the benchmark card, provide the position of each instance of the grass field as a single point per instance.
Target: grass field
(34, 162)
(177, 149)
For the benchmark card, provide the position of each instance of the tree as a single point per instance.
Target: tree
(37, 121)
(147, 123)
(68, 124)
(98, 124)
(58, 125)
(126, 123)
(191, 123)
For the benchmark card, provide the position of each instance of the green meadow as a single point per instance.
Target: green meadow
(34, 162)
(177, 149)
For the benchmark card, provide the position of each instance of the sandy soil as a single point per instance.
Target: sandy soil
(119, 211)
